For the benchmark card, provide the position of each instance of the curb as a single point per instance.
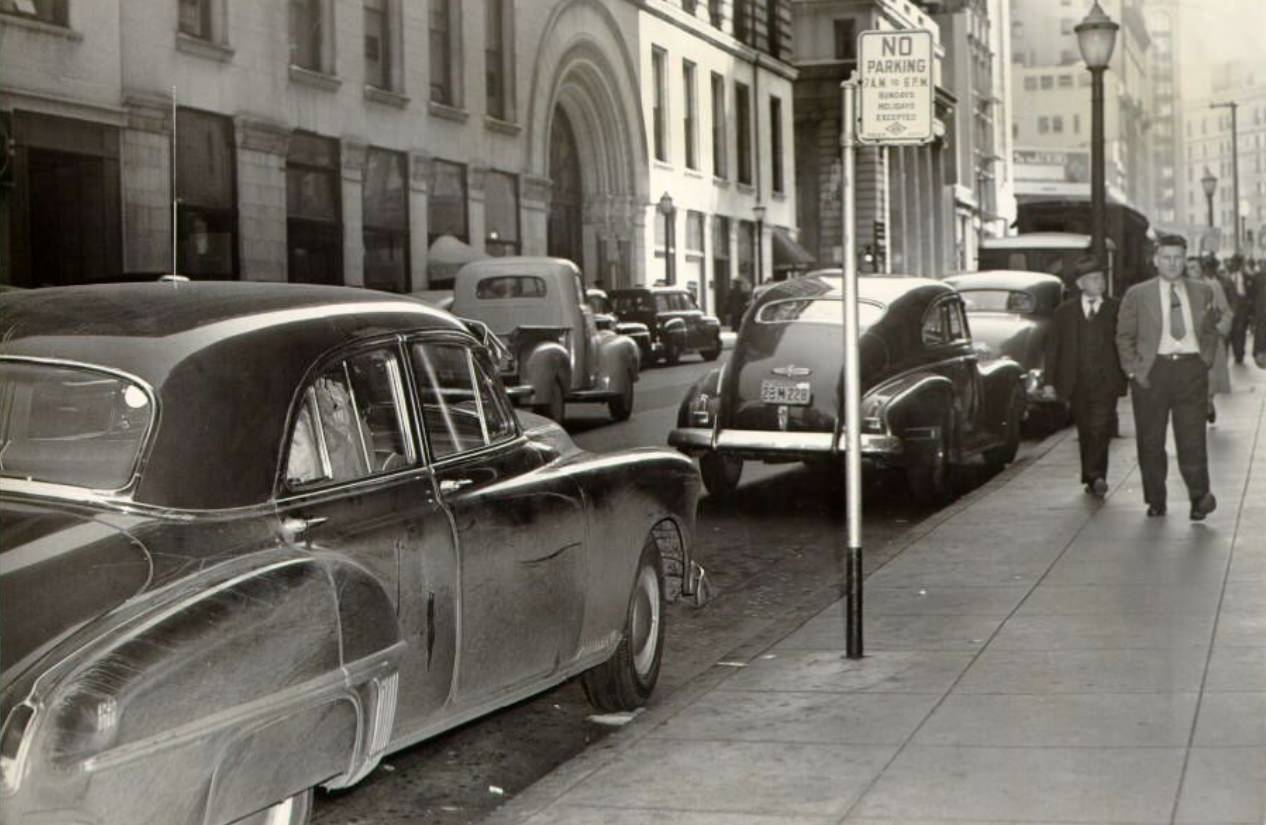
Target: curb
(554, 785)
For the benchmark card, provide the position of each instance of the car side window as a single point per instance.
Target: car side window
(462, 407)
(935, 326)
(352, 423)
(957, 321)
(661, 303)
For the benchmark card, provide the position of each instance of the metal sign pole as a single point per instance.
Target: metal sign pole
(852, 380)
(175, 211)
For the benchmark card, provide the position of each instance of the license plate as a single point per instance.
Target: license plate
(778, 392)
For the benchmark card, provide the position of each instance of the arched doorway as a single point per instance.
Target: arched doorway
(564, 231)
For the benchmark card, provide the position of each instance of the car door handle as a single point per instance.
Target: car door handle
(295, 526)
(452, 485)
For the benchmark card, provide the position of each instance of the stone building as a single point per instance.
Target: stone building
(363, 142)
(905, 213)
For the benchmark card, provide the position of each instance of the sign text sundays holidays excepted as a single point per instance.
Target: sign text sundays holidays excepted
(896, 86)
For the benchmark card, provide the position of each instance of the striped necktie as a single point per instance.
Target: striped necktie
(1177, 328)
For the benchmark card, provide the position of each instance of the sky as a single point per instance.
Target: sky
(1218, 31)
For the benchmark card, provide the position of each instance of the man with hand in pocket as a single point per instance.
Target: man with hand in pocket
(1167, 338)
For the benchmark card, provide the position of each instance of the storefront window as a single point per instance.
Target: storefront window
(314, 216)
(205, 182)
(446, 209)
(386, 221)
(501, 214)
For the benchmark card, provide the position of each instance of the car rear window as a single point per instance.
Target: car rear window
(510, 286)
(826, 311)
(71, 425)
(633, 302)
(997, 300)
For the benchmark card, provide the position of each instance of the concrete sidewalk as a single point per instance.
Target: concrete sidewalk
(1037, 656)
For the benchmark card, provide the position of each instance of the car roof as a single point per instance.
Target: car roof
(1041, 240)
(829, 283)
(630, 290)
(223, 358)
(516, 265)
(1003, 279)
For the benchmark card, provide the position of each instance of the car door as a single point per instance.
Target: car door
(947, 345)
(520, 528)
(356, 485)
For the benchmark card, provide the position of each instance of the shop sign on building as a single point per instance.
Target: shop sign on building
(897, 95)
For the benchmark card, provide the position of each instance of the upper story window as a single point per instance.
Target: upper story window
(845, 39)
(773, 27)
(195, 18)
(775, 143)
(743, 21)
(715, 13)
(312, 35)
(689, 6)
(45, 11)
(719, 165)
(445, 24)
(743, 125)
(691, 114)
(499, 59)
(659, 115)
(378, 44)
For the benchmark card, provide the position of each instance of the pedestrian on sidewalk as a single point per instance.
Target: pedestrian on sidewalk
(1239, 296)
(1259, 312)
(1167, 338)
(1081, 356)
(1220, 372)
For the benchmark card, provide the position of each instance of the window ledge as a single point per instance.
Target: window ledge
(745, 188)
(386, 97)
(449, 112)
(203, 48)
(318, 80)
(505, 127)
(778, 195)
(724, 183)
(663, 164)
(40, 26)
(693, 173)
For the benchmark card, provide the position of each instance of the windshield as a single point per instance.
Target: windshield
(827, 311)
(997, 300)
(71, 425)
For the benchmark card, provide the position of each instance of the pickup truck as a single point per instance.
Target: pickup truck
(538, 308)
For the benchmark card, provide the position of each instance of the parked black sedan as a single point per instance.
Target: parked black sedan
(927, 401)
(677, 325)
(258, 535)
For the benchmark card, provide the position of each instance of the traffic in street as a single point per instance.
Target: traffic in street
(771, 559)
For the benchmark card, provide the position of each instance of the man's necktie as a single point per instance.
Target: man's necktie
(1177, 329)
(1094, 310)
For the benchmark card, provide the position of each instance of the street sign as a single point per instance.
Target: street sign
(897, 91)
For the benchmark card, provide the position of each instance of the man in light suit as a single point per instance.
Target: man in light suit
(1167, 339)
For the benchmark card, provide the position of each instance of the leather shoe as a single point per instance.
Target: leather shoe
(1097, 488)
(1212, 416)
(1203, 506)
(1155, 510)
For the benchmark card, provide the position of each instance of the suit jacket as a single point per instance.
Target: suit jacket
(1139, 325)
(1063, 347)
(1259, 313)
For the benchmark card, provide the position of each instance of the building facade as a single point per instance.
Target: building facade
(361, 142)
(905, 211)
(1207, 149)
(1165, 72)
(1053, 100)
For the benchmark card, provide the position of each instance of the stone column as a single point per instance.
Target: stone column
(419, 223)
(261, 199)
(534, 195)
(145, 174)
(353, 157)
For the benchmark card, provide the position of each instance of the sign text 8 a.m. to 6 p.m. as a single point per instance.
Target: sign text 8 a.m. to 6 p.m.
(895, 69)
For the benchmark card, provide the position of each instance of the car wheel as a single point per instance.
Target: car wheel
(555, 409)
(1002, 455)
(297, 810)
(625, 681)
(928, 480)
(721, 474)
(715, 352)
(621, 407)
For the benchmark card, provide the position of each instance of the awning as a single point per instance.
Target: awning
(787, 253)
(447, 255)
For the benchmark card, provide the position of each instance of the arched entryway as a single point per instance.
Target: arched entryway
(564, 230)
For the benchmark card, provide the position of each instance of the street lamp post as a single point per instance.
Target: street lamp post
(669, 212)
(1210, 184)
(1235, 170)
(1096, 38)
(759, 211)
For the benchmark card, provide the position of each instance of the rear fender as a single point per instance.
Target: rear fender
(709, 385)
(547, 363)
(674, 328)
(913, 407)
(998, 379)
(618, 362)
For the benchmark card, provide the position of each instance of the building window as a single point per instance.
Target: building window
(689, 6)
(46, 11)
(773, 28)
(743, 124)
(1043, 125)
(695, 282)
(1048, 82)
(775, 143)
(719, 165)
(206, 189)
(444, 33)
(378, 45)
(747, 251)
(314, 216)
(743, 21)
(692, 115)
(715, 13)
(845, 39)
(1076, 124)
(498, 59)
(1030, 84)
(446, 206)
(195, 18)
(659, 70)
(307, 34)
(386, 220)
(721, 258)
(501, 213)
(1065, 81)
(1057, 124)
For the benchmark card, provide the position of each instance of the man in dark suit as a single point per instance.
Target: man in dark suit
(1167, 338)
(1082, 365)
(1259, 315)
(1239, 294)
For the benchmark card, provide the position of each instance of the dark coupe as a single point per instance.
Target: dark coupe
(1011, 313)
(927, 401)
(677, 325)
(256, 536)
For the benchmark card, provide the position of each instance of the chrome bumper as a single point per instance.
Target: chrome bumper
(760, 443)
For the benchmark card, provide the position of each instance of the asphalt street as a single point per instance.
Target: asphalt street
(772, 557)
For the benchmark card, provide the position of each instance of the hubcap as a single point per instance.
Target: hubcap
(645, 621)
